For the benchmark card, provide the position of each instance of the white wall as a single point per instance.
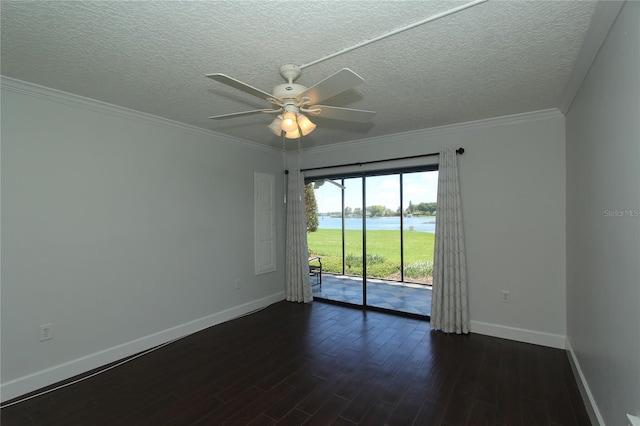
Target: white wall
(513, 195)
(121, 230)
(603, 227)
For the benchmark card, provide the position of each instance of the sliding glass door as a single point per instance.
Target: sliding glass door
(375, 239)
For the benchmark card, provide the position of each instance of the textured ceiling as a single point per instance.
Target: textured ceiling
(495, 59)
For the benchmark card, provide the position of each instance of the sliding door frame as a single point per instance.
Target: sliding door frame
(363, 175)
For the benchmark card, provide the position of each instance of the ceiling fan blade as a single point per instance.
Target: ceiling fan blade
(339, 82)
(239, 114)
(237, 84)
(337, 113)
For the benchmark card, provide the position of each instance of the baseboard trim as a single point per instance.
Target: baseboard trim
(32, 382)
(583, 386)
(519, 334)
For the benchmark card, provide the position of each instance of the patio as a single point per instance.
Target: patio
(403, 297)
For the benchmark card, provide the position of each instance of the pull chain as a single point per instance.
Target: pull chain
(284, 172)
(299, 168)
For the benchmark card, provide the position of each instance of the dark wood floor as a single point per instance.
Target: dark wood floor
(321, 364)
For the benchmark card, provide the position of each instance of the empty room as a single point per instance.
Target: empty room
(319, 212)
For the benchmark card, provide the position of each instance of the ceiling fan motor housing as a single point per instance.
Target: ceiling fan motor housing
(288, 90)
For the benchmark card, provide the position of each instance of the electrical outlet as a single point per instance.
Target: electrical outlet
(237, 283)
(46, 332)
(505, 296)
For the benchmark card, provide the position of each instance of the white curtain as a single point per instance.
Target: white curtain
(449, 306)
(297, 283)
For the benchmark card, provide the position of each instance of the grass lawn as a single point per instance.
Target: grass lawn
(383, 253)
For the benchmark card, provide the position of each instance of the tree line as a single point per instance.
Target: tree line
(311, 209)
(420, 209)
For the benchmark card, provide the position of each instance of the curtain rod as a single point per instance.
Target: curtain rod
(458, 151)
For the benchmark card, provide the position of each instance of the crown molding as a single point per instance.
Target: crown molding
(53, 95)
(602, 20)
(450, 128)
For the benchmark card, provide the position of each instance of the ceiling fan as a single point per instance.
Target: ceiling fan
(292, 100)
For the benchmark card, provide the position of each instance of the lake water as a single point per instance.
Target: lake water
(420, 224)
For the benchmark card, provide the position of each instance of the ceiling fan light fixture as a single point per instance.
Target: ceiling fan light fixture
(276, 126)
(306, 125)
(289, 123)
(292, 135)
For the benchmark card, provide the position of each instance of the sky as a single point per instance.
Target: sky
(381, 190)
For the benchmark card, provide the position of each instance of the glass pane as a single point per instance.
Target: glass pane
(383, 243)
(383, 227)
(419, 225)
(339, 231)
(420, 211)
